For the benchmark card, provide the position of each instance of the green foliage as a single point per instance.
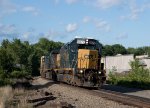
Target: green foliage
(6, 60)
(19, 59)
(43, 47)
(110, 50)
(119, 49)
(107, 50)
(131, 50)
(139, 51)
(138, 77)
(6, 81)
(113, 50)
(4, 78)
(19, 74)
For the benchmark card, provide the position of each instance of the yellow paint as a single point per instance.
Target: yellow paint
(58, 60)
(65, 69)
(87, 59)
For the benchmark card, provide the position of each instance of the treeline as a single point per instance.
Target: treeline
(20, 59)
(111, 50)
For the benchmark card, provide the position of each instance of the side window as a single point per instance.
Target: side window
(72, 48)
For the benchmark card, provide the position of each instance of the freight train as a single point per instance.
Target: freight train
(77, 63)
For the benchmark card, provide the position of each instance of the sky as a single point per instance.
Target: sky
(125, 22)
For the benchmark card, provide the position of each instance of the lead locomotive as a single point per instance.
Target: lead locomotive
(77, 62)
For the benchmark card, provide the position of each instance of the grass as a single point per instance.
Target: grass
(5, 95)
(13, 98)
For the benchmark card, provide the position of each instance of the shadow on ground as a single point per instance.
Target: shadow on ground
(45, 85)
(120, 88)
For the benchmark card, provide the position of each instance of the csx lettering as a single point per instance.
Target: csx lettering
(88, 56)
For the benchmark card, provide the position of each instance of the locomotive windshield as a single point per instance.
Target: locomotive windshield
(86, 44)
(91, 47)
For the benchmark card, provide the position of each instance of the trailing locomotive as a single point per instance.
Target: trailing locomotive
(77, 63)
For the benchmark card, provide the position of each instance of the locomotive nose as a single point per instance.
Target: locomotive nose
(87, 59)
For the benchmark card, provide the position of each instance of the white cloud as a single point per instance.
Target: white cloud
(86, 19)
(71, 1)
(122, 36)
(71, 27)
(7, 29)
(135, 10)
(102, 25)
(51, 34)
(7, 7)
(103, 4)
(26, 35)
(8, 32)
(56, 1)
(30, 9)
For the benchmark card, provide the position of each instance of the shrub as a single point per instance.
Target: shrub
(19, 74)
(138, 77)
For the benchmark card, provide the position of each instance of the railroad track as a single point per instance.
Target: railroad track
(117, 96)
(123, 98)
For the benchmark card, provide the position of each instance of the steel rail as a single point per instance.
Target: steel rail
(123, 98)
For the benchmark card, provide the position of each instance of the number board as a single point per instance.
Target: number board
(80, 41)
(91, 42)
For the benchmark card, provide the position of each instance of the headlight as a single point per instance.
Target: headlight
(81, 71)
(99, 72)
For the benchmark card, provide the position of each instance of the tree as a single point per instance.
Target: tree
(34, 62)
(119, 49)
(5, 43)
(47, 46)
(139, 51)
(6, 60)
(19, 59)
(131, 50)
(107, 50)
(115, 49)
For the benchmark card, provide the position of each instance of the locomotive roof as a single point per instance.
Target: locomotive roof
(75, 39)
(84, 39)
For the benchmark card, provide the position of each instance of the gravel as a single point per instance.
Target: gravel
(76, 97)
(80, 99)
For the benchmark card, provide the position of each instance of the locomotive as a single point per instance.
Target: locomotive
(77, 63)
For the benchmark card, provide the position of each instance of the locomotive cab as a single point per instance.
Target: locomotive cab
(89, 62)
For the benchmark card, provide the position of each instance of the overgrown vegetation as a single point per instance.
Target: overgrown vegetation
(20, 59)
(138, 77)
(13, 98)
(111, 50)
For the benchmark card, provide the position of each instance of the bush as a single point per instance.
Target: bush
(138, 77)
(4, 78)
(5, 81)
(8, 78)
(19, 74)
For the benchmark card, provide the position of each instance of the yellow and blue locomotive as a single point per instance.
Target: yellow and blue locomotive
(77, 63)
